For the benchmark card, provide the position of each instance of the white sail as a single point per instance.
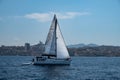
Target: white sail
(62, 51)
(55, 44)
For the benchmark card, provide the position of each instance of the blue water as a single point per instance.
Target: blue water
(81, 68)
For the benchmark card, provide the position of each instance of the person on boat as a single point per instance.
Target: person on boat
(33, 60)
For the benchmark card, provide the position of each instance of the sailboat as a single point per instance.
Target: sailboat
(55, 52)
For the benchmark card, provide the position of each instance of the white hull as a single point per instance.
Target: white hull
(52, 61)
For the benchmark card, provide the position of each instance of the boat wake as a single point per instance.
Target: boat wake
(27, 63)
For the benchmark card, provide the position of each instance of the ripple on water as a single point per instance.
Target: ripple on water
(3, 79)
(81, 68)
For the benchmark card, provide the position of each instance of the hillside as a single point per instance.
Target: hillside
(96, 51)
(74, 50)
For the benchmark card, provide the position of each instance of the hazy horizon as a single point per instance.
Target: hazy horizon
(81, 21)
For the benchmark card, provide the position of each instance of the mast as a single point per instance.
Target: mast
(55, 34)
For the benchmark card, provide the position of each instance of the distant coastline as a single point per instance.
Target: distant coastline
(74, 50)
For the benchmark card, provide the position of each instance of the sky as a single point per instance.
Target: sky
(81, 21)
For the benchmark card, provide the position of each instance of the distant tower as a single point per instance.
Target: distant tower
(41, 46)
(27, 47)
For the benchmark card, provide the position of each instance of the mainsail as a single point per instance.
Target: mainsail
(55, 44)
(50, 41)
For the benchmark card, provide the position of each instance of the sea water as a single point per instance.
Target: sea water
(81, 68)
